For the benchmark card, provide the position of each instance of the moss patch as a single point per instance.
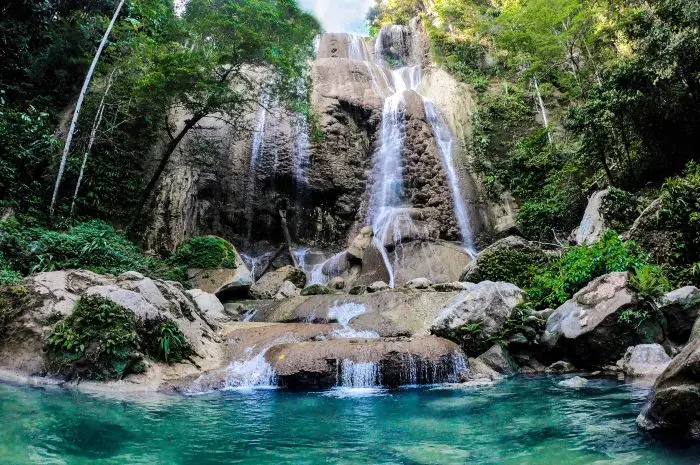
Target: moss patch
(316, 289)
(205, 252)
(15, 299)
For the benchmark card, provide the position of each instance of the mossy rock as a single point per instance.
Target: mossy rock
(205, 252)
(511, 260)
(316, 289)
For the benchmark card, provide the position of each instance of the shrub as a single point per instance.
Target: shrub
(649, 282)
(101, 340)
(205, 252)
(560, 279)
(164, 341)
(95, 342)
(316, 289)
(619, 208)
(92, 245)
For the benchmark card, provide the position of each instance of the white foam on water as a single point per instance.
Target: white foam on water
(343, 313)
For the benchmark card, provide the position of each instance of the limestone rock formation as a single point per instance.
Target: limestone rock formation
(269, 285)
(50, 297)
(360, 243)
(487, 303)
(227, 281)
(588, 330)
(645, 361)
(366, 362)
(673, 408)
(681, 309)
(390, 314)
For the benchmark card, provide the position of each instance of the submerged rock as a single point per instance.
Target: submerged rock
(588, 329)
(560, 367)
(575, 382)
(271, 282)
(673, 408)
(645, 361)
(681, 309)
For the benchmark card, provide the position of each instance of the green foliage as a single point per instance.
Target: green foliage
(96, 341)
(470, 337)
(316, 289)
(27, 146)
(619, 208)
(515, 265)
(205, 252)
(92, 245)
(649, 282)
(560, 279)
(164, 341)
(102, 340)
(680, 212)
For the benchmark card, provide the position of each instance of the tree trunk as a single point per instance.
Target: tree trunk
(543, 110)
(167, 153)
(76, 114)
(288, 237)
(95, 125)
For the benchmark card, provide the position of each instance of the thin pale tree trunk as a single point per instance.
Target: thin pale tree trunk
(93, 133)
(78, 106)
(543, 110)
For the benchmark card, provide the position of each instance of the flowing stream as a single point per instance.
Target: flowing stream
(529, 421)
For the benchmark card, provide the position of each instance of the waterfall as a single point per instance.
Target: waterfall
(255, 152)
(445, 140)
(357, 50)
(255, 372)
(300, 152)
(345, 312)
(362, 375)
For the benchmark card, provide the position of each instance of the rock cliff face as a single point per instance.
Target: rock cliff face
(233, 183)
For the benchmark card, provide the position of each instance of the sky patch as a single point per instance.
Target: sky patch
(339, 15)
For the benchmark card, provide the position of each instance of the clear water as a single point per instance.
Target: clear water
(520, 421)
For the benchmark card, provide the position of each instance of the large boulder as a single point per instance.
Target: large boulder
(645, 361)
(673, 408)
(228, 282)
(588, 328)
(504, 260)
(681, 308)
(366, 362)
(487, 304)
(269, 285)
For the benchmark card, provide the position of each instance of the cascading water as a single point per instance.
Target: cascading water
(343, 313)
(255, 372)
(359, 375)
(445, 140)
(255, 152)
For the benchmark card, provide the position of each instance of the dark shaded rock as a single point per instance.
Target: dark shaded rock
(498, 359)
(673, 408)
(681, 308)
